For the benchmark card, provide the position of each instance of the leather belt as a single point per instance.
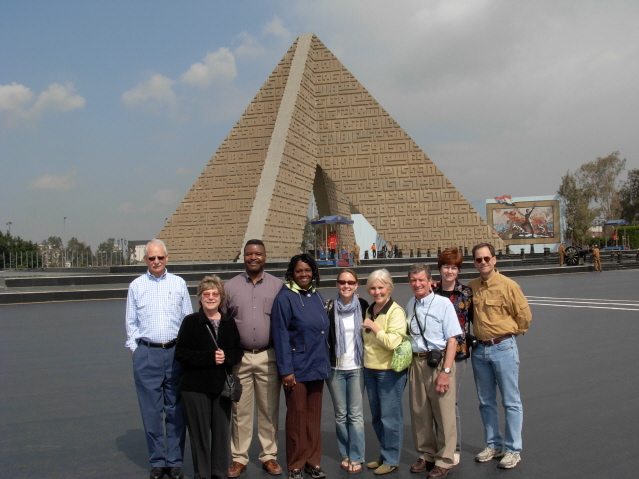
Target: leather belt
(168, 345)
(490, 342)
(420, 355)
(255, 351)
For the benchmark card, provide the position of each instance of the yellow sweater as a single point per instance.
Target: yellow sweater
(378, 349)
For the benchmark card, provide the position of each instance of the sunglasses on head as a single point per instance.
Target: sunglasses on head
(485, 258)
(152, 258)
(343, 282)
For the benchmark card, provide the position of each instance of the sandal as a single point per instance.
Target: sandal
(346, 464)
(355, 468)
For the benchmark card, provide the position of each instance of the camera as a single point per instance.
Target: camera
(434, 358)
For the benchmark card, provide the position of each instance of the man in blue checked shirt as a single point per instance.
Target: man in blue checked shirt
(156, 305)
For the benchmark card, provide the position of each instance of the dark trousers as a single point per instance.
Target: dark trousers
(157, 377)
(303, 421)
(208, 418)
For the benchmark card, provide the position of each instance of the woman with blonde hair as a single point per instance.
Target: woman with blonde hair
(384, 330)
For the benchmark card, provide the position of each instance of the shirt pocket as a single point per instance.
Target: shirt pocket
(268, 306)
(492, 306)
(174, 302)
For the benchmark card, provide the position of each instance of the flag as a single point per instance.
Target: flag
(505, 200)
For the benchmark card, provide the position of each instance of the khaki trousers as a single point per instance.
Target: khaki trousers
(425, 406)
(260, 390)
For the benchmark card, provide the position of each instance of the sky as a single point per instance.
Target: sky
(109, 111)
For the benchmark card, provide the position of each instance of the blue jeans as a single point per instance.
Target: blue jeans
(385, 388)
(347, 389)
(498, 366)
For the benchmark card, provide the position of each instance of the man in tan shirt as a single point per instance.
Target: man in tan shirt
(501, 312)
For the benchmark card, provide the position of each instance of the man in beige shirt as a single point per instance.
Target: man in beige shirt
(501, 313)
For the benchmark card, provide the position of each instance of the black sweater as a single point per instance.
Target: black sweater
(196, 352)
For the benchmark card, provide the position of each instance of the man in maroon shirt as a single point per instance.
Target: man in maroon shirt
(249, 298)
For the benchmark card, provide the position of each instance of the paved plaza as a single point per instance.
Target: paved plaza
(68, 407)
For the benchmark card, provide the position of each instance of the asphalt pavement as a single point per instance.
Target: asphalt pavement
(68, 407)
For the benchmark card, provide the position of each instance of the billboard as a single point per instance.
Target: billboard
(525, 222)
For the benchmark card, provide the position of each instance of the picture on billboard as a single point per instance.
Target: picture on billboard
(525, 222)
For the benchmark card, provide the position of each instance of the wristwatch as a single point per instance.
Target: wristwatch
(446, 370)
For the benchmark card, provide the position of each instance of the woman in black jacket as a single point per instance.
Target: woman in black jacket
(204, 369)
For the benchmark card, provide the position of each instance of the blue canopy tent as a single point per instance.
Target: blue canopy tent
(616, 224)
(330, 220)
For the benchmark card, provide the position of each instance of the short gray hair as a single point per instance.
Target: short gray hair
(418, 268)
(382, 275)
(155, 241)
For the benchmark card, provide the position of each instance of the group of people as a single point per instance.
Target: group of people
(274, 335)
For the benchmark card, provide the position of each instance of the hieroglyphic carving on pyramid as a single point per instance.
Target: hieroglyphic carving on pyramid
(313, 125)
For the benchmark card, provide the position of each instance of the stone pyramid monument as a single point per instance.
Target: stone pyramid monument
(313, 127)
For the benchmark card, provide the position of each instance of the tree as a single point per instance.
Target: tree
(599, 178)
(579, 214)
(105, 251)
(17, 253)
(629, 197)
(55, 242)
(77, 250)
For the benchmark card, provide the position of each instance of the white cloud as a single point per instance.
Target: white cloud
(59, 98)
(54, 182)
(153, 94)
(247, 45)
(217, 67)
(166, 197)
(277, 28)
(17, 107)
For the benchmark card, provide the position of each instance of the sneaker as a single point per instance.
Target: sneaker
(295, 474)
(510, 460)
(489, 453)
(315, 472)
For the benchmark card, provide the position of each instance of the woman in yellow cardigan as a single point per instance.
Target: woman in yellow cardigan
(384, 329)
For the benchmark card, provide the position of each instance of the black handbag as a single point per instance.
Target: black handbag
(232, 389)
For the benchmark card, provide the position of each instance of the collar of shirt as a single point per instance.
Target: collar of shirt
(292, 285)
(384, 310)
(153, 278)
(492, 280)
(250, 280)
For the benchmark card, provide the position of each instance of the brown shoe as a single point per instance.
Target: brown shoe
(272, 467)
(438, 472)
(236, 469)
(421, 465)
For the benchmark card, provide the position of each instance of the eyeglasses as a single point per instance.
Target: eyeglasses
(451, 267)
(210, 294)
(485, 258)
(152, 258)
(342, 282)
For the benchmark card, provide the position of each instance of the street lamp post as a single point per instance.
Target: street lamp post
(9, 223)
(64, 234)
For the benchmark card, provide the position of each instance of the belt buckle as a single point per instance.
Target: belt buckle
(166, 345)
